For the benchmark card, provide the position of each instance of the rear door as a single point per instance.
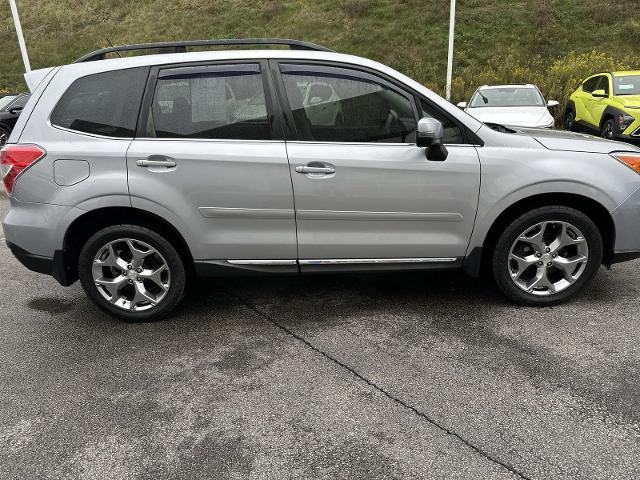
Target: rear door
(364, 192)
(210, 158)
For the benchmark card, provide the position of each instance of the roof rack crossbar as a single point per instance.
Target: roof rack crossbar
(179, 47)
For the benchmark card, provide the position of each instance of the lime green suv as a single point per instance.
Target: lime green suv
(607, 104)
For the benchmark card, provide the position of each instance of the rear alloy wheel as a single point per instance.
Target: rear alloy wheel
(132, 272)
(607, 129)
(547, 255)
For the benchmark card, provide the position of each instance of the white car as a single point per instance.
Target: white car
(515, 105)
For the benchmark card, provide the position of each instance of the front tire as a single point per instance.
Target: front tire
(547, 255)
(607, 130)
(132, 273)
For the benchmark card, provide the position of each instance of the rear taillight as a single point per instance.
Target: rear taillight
(14, 159)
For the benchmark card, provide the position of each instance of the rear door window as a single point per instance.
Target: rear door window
(211, 102)
(104, 104)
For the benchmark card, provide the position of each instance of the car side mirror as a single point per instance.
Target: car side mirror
(552, 103)
(15, 110)
(600, 93)
(430, 134)
(462, 105)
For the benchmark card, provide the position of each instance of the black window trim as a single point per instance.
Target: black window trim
(469, 137)
(97, 135)
(144, 130)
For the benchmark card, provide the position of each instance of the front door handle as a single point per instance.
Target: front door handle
(156, 161)
(309, 169)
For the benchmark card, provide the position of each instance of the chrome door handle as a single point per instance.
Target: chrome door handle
(156, 163)
(307, 169)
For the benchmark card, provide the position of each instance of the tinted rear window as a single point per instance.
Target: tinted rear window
(103, 104)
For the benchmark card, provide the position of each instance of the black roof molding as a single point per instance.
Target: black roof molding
(181, 46)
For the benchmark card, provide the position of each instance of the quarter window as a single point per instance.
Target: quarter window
(103, 104)
(213, 102)
(342, 105)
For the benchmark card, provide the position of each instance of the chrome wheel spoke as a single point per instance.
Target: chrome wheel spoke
(569, 265)
(536, 239)
(523, 264)
(141, 295)
(565, 239)
(138, 255)
(112, 286)
(155, 276)
(131, 274)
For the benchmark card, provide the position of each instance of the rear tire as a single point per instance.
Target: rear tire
(132, 273)
(547, 255)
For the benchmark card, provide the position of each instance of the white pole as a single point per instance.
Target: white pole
(452, 27)
(23, 47)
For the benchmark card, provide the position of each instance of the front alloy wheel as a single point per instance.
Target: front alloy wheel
(548, 257)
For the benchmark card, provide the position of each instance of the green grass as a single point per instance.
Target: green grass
(496, 41)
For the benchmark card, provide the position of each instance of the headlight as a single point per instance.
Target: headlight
(624, 121)
(631, 160)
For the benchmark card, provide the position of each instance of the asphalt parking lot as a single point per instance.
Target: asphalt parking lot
(395, 376)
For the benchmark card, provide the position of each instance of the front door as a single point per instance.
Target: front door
(211, 162)
(364, 192)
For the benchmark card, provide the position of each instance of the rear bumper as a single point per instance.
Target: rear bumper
(54, 266)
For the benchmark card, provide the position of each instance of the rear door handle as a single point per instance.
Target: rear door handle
(156, 161)
(308, 169)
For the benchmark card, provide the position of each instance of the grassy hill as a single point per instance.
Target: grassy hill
(554, 43)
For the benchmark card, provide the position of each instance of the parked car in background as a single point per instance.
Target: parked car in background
(10, 107)
(607, 104)
(513, 105)
(132, 174)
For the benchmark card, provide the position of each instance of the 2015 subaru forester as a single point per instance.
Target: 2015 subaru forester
(133, 173)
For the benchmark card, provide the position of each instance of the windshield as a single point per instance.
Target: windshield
(507, 97)
(626, 85)
(6, 100)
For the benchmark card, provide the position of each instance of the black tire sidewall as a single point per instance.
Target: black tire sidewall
(4, 131)
(171, 256)
(569, 113)
(613, 125)
(517, 226)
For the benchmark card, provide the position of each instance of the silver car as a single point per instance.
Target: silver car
(133, 174)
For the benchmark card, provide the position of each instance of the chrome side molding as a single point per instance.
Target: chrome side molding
(343, 261)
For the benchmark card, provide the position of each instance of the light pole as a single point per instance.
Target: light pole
(452, 27)
(23, 47)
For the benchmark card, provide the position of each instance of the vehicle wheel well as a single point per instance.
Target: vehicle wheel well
(594, 210)
(86, 225)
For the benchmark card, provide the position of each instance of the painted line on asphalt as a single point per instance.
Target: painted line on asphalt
(479, 450)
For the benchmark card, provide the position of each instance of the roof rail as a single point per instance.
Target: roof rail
(181, 46)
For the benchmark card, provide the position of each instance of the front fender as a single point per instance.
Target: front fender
(507, 181)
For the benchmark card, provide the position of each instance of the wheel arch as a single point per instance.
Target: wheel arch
(478, 259)
(89, 223)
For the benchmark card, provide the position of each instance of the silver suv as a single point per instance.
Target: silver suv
(134, 173)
